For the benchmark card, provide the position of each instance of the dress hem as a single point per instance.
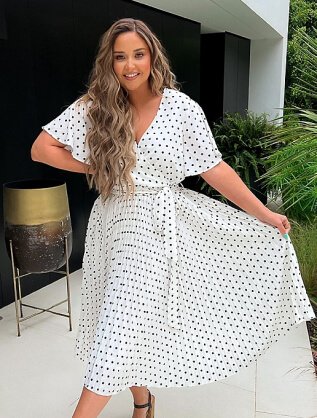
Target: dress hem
(204, 381)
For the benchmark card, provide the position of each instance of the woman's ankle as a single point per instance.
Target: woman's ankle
(140, 394)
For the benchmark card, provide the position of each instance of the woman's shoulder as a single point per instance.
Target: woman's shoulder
(179, 98)
(81, 105)
(76, 113)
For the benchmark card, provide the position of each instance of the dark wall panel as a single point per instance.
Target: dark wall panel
(243, 74)
(184, 53)
(224, 82)
(3, 24)
(231, 68)
(236, 74)
(47, 55)
(212, 74)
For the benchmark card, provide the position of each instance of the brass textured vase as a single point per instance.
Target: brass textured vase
(37, 221)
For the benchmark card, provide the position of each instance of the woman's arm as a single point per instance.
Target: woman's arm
(227, 182)
(48, 150)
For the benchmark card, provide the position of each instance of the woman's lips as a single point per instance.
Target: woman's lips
(131, 76)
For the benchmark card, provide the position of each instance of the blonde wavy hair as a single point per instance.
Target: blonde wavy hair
(111, 139)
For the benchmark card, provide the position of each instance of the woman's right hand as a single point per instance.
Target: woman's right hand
(48, 150)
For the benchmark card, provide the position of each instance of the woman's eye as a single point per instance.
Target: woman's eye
(119, 57)
(139, 54)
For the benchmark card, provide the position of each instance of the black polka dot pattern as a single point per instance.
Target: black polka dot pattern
(70, 128)
(178, 289)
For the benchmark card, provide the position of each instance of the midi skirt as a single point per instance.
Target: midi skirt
(180, 289)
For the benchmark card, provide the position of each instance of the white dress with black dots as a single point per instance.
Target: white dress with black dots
(178, 288)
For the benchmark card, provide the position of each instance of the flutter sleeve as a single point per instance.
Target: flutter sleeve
(200, 149)
(70, 128)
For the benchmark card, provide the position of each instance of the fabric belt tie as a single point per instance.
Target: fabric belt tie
(164, 218)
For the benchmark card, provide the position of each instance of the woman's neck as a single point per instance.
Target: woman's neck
(139, 98)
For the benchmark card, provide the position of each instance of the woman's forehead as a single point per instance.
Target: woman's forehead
(129, 41)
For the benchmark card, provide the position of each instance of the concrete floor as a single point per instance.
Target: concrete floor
(41, 378)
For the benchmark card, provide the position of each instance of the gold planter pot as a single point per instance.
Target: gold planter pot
(38, 234)
(37, 218)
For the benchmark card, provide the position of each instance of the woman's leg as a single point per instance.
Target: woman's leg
(140, 394)
(90, 404)
(140, 397)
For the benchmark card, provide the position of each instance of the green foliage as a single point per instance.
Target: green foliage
(302, 14)
(307, 79)
(238, 139)
(292, 167)
(304, 239)
(302, 19)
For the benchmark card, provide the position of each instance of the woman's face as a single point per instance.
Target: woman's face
(131, 61)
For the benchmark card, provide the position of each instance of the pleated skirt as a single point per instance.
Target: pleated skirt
(240, 291)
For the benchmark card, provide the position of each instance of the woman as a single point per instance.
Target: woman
(178, 288)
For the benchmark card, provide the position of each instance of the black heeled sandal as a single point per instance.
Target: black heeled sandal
(150, 405)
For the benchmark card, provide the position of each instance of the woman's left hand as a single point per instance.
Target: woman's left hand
(227, 182)
(278, 220)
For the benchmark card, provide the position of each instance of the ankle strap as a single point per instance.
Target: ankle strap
(144, 405)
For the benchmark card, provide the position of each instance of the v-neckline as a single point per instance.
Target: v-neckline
(152, 122)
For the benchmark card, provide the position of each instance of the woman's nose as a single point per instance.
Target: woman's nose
(129, 63)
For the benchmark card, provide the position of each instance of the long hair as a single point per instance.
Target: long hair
(111, 139)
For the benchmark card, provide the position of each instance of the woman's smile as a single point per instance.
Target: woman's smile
(131, 76)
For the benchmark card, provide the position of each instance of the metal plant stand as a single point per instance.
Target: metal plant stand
(18, 293)
(38, 236)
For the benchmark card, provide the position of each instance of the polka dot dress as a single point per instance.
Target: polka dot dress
(178, 288)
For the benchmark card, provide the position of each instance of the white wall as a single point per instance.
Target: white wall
(273, 12)
(268, 59)
(264, 22)
(244, 18)
(267, 77)
(268, 67)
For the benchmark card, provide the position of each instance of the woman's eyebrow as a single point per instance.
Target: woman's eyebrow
(135, 50)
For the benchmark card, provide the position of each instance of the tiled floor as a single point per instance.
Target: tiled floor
(41, 378)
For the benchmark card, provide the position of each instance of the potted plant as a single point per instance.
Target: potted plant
(238, 138)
